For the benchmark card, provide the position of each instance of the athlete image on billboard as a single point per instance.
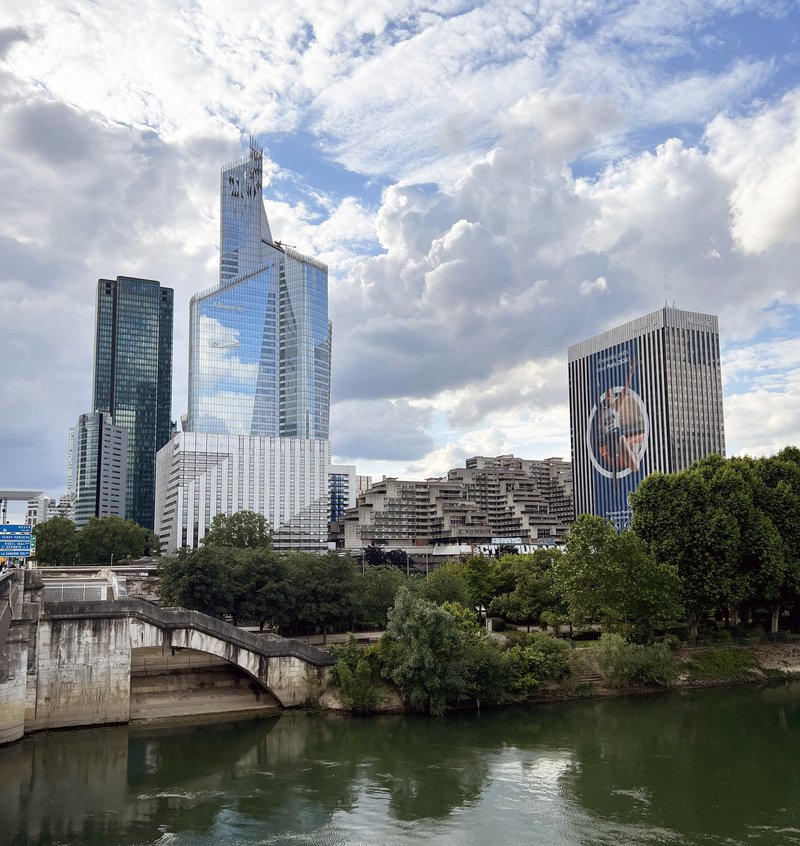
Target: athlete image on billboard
(618, 429)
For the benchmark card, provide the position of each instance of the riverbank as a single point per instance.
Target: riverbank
(693, 668)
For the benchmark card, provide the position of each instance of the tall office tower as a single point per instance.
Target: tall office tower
(256, 434)
(643, 397)
(133, 377)
(98, 468)
(260, 340)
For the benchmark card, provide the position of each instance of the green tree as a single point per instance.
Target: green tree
(421, 652)
(259, 586)
(242, 530)
(198, 579)
(322, 590)
(684, 520)
(446, 584)
(376, 590)
(479, 574)
(107, 539)
(534, 663)
(56, 542)
(532, 590)
(612, 578)
(374, 555)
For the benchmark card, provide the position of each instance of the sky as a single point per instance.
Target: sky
(488, 183)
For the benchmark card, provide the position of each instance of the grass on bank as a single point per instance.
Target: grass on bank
(722, 665)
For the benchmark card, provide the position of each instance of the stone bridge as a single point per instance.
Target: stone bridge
(69, 663)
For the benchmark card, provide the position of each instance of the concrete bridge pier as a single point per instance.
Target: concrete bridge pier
(19, 608)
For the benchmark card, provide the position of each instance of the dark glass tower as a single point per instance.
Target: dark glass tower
(133, 377)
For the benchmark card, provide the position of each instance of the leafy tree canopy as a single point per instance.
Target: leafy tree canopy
(242, 530)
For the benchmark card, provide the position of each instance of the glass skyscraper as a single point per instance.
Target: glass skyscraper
(133, 377)
(256, 433)
(260, 340)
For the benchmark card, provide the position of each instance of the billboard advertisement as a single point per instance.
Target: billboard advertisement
(617, 431)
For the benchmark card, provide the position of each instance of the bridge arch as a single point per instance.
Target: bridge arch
(83, 657)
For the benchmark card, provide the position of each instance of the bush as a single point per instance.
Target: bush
(534, 662)
(353, 675)
(622, 664)
(356, 687)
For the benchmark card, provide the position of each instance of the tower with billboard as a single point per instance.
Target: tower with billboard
(644, 397)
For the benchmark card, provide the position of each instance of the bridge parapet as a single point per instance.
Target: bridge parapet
(169, 619)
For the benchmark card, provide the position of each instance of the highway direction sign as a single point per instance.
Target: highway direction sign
(15, 529)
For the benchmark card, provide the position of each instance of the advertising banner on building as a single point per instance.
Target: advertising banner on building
(617, 431)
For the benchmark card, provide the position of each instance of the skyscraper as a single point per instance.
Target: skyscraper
(133, 377)
(260, 340)
(98, 467)
(643, 397)
(256, 435)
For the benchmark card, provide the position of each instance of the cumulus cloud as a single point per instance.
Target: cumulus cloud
(546, 178)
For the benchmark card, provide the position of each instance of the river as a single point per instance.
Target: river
(716, 766)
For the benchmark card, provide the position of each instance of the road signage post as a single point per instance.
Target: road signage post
(15, 540)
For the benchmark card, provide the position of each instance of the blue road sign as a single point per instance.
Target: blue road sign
(9, 548)
(15, 529)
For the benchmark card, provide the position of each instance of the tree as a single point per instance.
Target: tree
(684, 521)
(421, 654)
(242, 530)
(397, 558)
(481, 582)
(376, 590)
(321, 590)
(532, 586)
(612, 578)
(374, 555)
(56, 542)
(259, 586)
(198, 579)
(107, 539)
(446, 584)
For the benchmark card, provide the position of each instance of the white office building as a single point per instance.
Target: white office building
(200, 475)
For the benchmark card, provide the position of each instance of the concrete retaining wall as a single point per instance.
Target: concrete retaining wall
(83, 673)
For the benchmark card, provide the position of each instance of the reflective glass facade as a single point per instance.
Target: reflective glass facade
(644, 397)
(260, 341)
(99, 451)
(133, 377)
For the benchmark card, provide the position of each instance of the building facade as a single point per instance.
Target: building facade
(342, 489)
(260, 340)
(499, 497)
(133, 377)
(99, 467)
(644, 397)
(202, 475)
(256, 432)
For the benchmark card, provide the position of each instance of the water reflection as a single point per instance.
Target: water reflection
(704, 768)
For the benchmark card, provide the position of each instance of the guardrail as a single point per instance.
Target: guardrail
(180, 618)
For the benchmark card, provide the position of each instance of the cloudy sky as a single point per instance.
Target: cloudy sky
(488, 182)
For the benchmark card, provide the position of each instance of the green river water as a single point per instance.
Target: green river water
(708, 767)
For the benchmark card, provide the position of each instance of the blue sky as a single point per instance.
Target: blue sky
(488, 182)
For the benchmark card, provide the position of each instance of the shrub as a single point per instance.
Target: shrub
(356, 687)
(534, 662)
(622, 663)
